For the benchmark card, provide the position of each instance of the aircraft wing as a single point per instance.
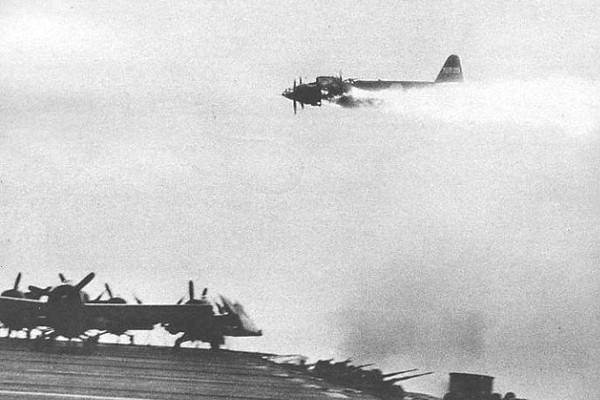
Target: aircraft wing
(142, 316)
(32, 311)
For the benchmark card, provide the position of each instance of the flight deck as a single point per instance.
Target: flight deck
(126, 372)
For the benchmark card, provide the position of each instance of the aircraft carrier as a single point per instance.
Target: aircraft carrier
(126, 372)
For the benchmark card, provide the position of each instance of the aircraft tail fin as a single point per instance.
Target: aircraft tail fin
(451, 71)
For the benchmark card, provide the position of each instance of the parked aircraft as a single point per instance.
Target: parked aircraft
(15, 320)
(231, 320)
(112, 327)
(67, 313)
(15, 292)
(338, 90)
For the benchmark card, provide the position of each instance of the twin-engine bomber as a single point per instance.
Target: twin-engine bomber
(68, 312)
(337, 90)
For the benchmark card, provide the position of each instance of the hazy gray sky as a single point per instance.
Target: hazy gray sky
(450, 229)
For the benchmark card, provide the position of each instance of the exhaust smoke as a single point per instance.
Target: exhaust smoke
(568, 103)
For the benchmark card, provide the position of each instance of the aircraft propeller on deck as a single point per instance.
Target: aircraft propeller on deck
(14, 292)
(97, 299)
(17, 281)
(191, 294)
(38, 292)
(111, 297)
(191, 289)
(110, 294)
(221, 305)
(85, 281)
(226, 306)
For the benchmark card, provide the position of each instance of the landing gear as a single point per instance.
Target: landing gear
(179, 341)
(215, 342)
(44, 341)
(90, 343)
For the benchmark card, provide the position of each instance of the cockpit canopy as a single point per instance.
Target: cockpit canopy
(326, 80)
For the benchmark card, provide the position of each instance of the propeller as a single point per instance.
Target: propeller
(85, 281)
(38, 292)
(301, 103)
(227, 306)
(192, 296)
(112, 298)
(191, 290)
(17, 281)
(14, 292)
(97, 299)
(294, 98)
(108, 291)
(137, 299)
(110, 295)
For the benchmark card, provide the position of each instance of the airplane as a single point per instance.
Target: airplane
(66, 313)
(338, 90)
(16, 293)
(112, 327)
(15, 321)
(231, 320)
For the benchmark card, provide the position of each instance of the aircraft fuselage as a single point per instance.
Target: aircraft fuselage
(65, 311)
(383, 85)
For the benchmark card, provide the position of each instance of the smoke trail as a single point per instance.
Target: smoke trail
(564, 102)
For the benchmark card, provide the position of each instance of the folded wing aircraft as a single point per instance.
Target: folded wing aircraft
(65, 313)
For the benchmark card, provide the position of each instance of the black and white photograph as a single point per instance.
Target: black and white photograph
(269, 200)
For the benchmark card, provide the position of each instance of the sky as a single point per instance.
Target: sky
(449, 229)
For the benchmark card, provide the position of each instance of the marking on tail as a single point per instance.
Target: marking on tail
(451, 71)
